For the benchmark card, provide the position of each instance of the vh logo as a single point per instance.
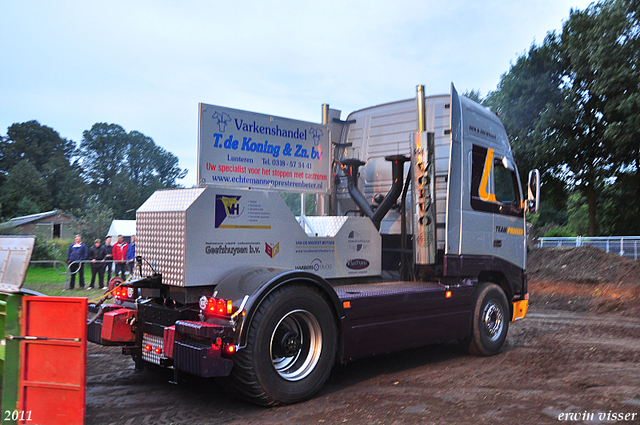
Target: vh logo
(227, 207)
(231, 205)
(272, 250)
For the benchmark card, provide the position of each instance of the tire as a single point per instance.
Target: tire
(490, 321)
(291, 348)
(115, 281)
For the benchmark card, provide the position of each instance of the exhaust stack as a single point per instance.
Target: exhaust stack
(350, 168)
(423, 189)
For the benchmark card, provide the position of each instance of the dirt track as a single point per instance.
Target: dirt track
(568, 355)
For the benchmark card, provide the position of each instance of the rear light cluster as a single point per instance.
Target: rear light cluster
(217, 306)
(123, 292)
(227, 348)
(151, 349)
(120, 292)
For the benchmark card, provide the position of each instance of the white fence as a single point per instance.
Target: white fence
(622, 245)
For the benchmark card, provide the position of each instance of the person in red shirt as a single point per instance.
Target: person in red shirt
(120, 256)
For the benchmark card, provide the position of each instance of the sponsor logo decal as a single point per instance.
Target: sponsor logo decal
(227, 207)
(222, 119)
(483, 132)
(271, 250)
(317, 134)
(510, 230)
(359, 241)
(315, 265)
(246, 149)
(225, 122)
(231, 248)
(515, 231)
(358, 264)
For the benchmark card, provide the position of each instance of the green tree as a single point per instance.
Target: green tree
(292, 199)
(604, 46)
(34, 142)
(474, 95)
(584, 148)
(578, 214)
(532, 87)
(51, 156)
(570, 105)
(614, 218)
(548, 216)
(24, 192)
(94, 222)
(65, 183)
(124, 169)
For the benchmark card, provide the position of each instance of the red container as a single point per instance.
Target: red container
(53, 359)
(116, 328)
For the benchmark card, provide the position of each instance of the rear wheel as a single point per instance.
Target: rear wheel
(290, 348)
(490, 321)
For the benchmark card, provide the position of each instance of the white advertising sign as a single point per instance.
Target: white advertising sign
(245, 149)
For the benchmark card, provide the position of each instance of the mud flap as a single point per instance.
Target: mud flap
(520, 310)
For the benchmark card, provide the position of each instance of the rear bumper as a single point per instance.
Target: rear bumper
(189, 346)
(200, 359)
(198, 346)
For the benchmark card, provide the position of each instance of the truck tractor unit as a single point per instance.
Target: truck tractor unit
(418, 236)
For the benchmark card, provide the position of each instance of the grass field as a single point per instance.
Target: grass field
(50, 281)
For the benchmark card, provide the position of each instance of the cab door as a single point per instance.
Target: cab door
(508, 230)
(496, 190)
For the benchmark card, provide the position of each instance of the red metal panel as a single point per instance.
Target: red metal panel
(115, 328)
(169, 338)
(53, 375)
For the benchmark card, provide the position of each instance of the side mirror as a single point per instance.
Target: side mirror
(533, 199)
(506, 163)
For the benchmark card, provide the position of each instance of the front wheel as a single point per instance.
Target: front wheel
(290, 348)
(490, 321)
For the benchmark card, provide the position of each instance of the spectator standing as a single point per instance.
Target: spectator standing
(119, 252)
(97, 255)
(131, 255)
(76, 255)
(108, 261)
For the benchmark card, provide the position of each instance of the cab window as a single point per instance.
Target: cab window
(494, 187)
(503, 180)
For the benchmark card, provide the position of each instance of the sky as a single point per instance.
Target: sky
(146, 65)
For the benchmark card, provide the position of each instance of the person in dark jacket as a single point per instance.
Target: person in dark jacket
(76, 255)
(108, 263)
(97, 255)
(131, 255)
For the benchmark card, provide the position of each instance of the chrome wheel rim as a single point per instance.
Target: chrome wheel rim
(492, 320)
(295, 345)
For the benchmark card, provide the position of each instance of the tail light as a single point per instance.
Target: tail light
(124, 292)
(216, 306)
(150, 348)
